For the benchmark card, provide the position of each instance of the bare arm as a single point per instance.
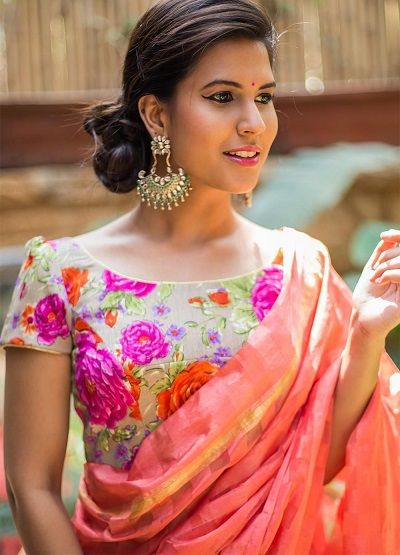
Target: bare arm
(356, 384)
(36, 424)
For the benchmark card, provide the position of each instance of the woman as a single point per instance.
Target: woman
(215, 408)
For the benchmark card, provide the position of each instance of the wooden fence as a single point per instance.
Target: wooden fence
(79, 45)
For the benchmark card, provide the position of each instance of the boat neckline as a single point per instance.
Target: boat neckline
(94, 259)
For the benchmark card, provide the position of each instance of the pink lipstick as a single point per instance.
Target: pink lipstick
(244, 161)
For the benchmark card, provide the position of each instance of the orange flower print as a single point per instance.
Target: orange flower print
(185, 384)
(80, 325)
(111, 317)
(220, 297)
(74, 280)
(196, 300)
(27, 320)
(17, 341)
(28, 262)
(134, 383)
(279, 257)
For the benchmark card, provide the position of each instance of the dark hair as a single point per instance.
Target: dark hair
(163, 49)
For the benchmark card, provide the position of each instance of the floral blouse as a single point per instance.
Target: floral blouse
(139, 349)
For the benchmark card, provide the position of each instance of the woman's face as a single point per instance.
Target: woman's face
(206, 121)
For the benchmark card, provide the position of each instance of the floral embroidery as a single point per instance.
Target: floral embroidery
(139, 349)
(114, 282)
(27, 319)
(185, 384)
(99, 381)
(266, 290)
(50, 320)
(74, 280)
(142, 341)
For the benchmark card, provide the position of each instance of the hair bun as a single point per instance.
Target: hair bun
(120, 145)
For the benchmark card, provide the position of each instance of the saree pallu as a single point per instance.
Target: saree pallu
(239, 468)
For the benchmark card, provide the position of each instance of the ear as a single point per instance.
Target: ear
(153, 114)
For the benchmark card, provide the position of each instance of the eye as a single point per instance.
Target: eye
(267, 97)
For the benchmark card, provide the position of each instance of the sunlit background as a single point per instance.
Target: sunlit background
(333, 171)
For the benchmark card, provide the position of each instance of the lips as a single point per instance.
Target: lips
(244, 161)
(245, 148)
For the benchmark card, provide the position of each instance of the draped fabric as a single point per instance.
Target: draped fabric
(239, 468)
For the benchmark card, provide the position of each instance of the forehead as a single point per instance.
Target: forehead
(230, 59)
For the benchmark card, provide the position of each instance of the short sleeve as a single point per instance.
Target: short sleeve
(38, 316)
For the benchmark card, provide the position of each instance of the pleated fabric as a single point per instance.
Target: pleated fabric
(239, 468)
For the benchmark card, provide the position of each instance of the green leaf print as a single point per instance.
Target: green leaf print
(191, 324)
(165, 290)
(204, 337)
(205, 309)
(122, 434)
(151, 426)
(111, 300)
(241, 331)
(134, 305)
(221, 324)
(160, 385)
(240, 288)
(103, 439)
(244, 314)
(174, 369)
(45, 265)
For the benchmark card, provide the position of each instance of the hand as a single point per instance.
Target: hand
(376, 296)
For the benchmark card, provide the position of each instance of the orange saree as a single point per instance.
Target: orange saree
(239, 468)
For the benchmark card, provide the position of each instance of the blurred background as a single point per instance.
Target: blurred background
(333, 171)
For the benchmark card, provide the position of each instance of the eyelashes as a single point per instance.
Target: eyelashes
(268, 96)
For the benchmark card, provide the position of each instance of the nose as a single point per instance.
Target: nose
(251, 120)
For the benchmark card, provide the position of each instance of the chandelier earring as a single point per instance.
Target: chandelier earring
(164, 191)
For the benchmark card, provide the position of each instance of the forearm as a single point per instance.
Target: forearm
(43, 524)
(356, 384)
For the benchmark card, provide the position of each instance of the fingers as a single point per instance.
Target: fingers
(387, 276)
(389, 238)
(391, 235)
(381, 247)
(391, 252)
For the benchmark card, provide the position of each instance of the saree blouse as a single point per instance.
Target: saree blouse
(139, 349)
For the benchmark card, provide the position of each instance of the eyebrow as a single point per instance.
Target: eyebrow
(235, 84)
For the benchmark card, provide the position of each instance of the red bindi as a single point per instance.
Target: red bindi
(252, 83)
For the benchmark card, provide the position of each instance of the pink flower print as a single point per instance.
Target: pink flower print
(176, 334)
(114, 282)
(142, 341)
(266, 290)
(50, 320)
(214, 336)
(161, 309)
(100, 382)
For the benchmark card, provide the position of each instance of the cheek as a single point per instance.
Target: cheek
(198, 129)
(200, 122)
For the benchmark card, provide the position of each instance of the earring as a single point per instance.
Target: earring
(248, 199)
(166, 190)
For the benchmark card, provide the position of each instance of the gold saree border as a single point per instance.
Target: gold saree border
(246, 423)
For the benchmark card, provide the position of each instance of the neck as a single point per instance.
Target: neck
(201, 219)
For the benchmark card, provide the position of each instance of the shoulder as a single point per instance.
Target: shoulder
(306, 243)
